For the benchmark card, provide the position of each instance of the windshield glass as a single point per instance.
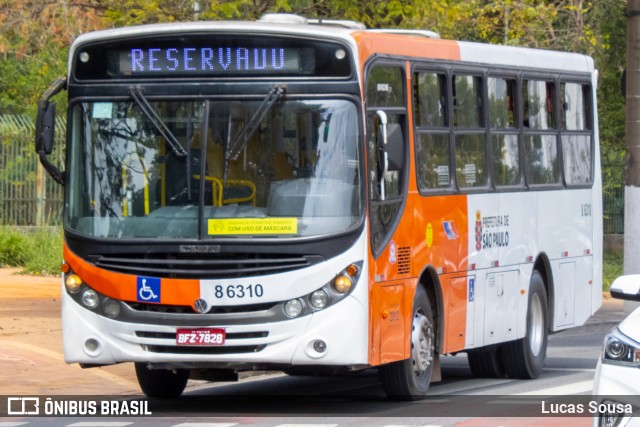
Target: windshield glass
(295, 173)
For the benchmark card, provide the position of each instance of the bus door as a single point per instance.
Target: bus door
(390, 230)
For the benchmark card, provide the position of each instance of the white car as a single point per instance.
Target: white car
(617, 379)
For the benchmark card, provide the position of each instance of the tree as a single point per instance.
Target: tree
(34, 37)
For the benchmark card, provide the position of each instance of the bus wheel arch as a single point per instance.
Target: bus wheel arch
(543, 266)
(524, 358)
(409, 379)
(431, 283)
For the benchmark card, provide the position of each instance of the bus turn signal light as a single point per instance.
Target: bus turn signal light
(352, 270)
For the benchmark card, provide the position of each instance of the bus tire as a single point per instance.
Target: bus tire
(524, 358)
(161, 382)
(409, 379)
(486, 363)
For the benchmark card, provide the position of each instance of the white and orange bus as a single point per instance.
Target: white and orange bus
(302, 196)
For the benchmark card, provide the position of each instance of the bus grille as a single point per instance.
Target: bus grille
(188, 266)
(404, 260)
(184, 309)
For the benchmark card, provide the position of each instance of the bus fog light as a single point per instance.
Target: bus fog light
(319, 299)
(73, 282)
(92, 347)
(342, 284)
(111, 308)
(293, 308)
(90, 298)
(320, 346)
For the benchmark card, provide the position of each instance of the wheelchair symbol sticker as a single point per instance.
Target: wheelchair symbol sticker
(148, 289)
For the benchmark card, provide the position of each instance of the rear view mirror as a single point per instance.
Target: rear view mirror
(45, 128)
(626, 287)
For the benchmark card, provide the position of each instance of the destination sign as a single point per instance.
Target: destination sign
(225, 60)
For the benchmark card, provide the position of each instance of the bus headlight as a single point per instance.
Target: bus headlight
(73, 282)
(90, 298)
(111, 307)
(319, 299)
(293, 308)
(333, 291)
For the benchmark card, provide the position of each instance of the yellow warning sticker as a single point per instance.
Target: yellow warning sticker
(429, 235)
(260, 226)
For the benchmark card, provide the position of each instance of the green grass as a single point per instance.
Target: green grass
(612, 267)
(37, 251)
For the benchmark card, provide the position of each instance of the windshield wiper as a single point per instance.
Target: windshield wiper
(156, 121)
(244, 135)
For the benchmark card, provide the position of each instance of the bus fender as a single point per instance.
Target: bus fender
(543, 265)
(430, 281)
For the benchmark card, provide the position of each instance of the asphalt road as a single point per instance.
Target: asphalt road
(358, 400)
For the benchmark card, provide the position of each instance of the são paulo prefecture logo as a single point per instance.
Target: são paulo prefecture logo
(478, 230)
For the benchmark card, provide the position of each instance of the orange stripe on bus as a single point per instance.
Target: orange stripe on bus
(370, 44)
(124, 286)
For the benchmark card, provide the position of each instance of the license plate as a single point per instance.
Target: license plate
(202, 336)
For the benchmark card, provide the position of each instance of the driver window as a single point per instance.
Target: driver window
(385, 92)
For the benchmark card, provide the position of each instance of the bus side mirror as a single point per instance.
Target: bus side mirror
(45, 127)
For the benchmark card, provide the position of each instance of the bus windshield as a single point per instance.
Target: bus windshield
(294, 173)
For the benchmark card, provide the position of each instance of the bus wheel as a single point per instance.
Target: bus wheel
(409, 379)
(524, 358)
(161, 382)
(486, 363)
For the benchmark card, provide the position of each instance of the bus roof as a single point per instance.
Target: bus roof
(368, 42)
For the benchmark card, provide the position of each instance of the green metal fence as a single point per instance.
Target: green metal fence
(28, 196)
(613, 198)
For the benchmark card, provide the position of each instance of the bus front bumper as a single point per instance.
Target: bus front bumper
(93, 339)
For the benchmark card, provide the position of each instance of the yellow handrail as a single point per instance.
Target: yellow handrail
(217, 196)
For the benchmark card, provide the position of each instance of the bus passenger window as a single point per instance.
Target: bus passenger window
(574, 106)
(540, 137)
(541, 158)
(501, 102)
(506, 162)
(538, 99)
(470, 148)
(433, 160)
(431, 111)
(576, 133)
(504, 134)
(467, 101)
(431, 100)
(471, 160)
